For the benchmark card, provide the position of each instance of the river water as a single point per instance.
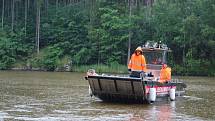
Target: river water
(60, 96)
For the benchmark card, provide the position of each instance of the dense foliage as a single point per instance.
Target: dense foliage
(51, 33)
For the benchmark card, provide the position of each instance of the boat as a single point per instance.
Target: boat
(146, 88)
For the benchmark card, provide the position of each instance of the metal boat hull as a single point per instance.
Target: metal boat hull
(128, 89)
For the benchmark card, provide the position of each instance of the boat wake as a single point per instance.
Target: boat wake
(192, 98)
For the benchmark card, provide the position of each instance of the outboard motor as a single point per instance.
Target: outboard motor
(172, 94)
(90, 92)
(152, 94)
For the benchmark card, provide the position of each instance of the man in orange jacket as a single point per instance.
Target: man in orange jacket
(165, 74)
(137, 63)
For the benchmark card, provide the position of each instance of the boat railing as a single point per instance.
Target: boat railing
(176, 80)
(154, 69)
(153, 66)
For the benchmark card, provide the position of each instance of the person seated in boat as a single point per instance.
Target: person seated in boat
(137, 63)
(165, 73)
(156, 61)
(91, 72)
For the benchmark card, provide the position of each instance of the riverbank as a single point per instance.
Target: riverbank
(117, 68)
(65, 65)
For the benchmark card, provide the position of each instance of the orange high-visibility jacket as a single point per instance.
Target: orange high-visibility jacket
(137, 63)
(165, 74)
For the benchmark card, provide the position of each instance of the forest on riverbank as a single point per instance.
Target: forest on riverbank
(50, 34)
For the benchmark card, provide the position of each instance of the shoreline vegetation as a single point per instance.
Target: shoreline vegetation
(114, 68)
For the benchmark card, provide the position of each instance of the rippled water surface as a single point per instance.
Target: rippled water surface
(58, 96)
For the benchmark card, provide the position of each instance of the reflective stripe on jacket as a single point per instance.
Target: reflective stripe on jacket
(137, 63)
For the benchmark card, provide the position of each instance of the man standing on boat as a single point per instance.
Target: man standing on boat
(137, 63)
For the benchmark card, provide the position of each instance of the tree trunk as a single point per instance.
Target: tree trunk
(130, 33)
(28, 4)
(183, 54)
(26, 15)
(56, 6)
(12, 15)
(38, 28)
(2, 17)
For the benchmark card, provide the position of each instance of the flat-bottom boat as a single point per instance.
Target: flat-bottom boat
(127, 89)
